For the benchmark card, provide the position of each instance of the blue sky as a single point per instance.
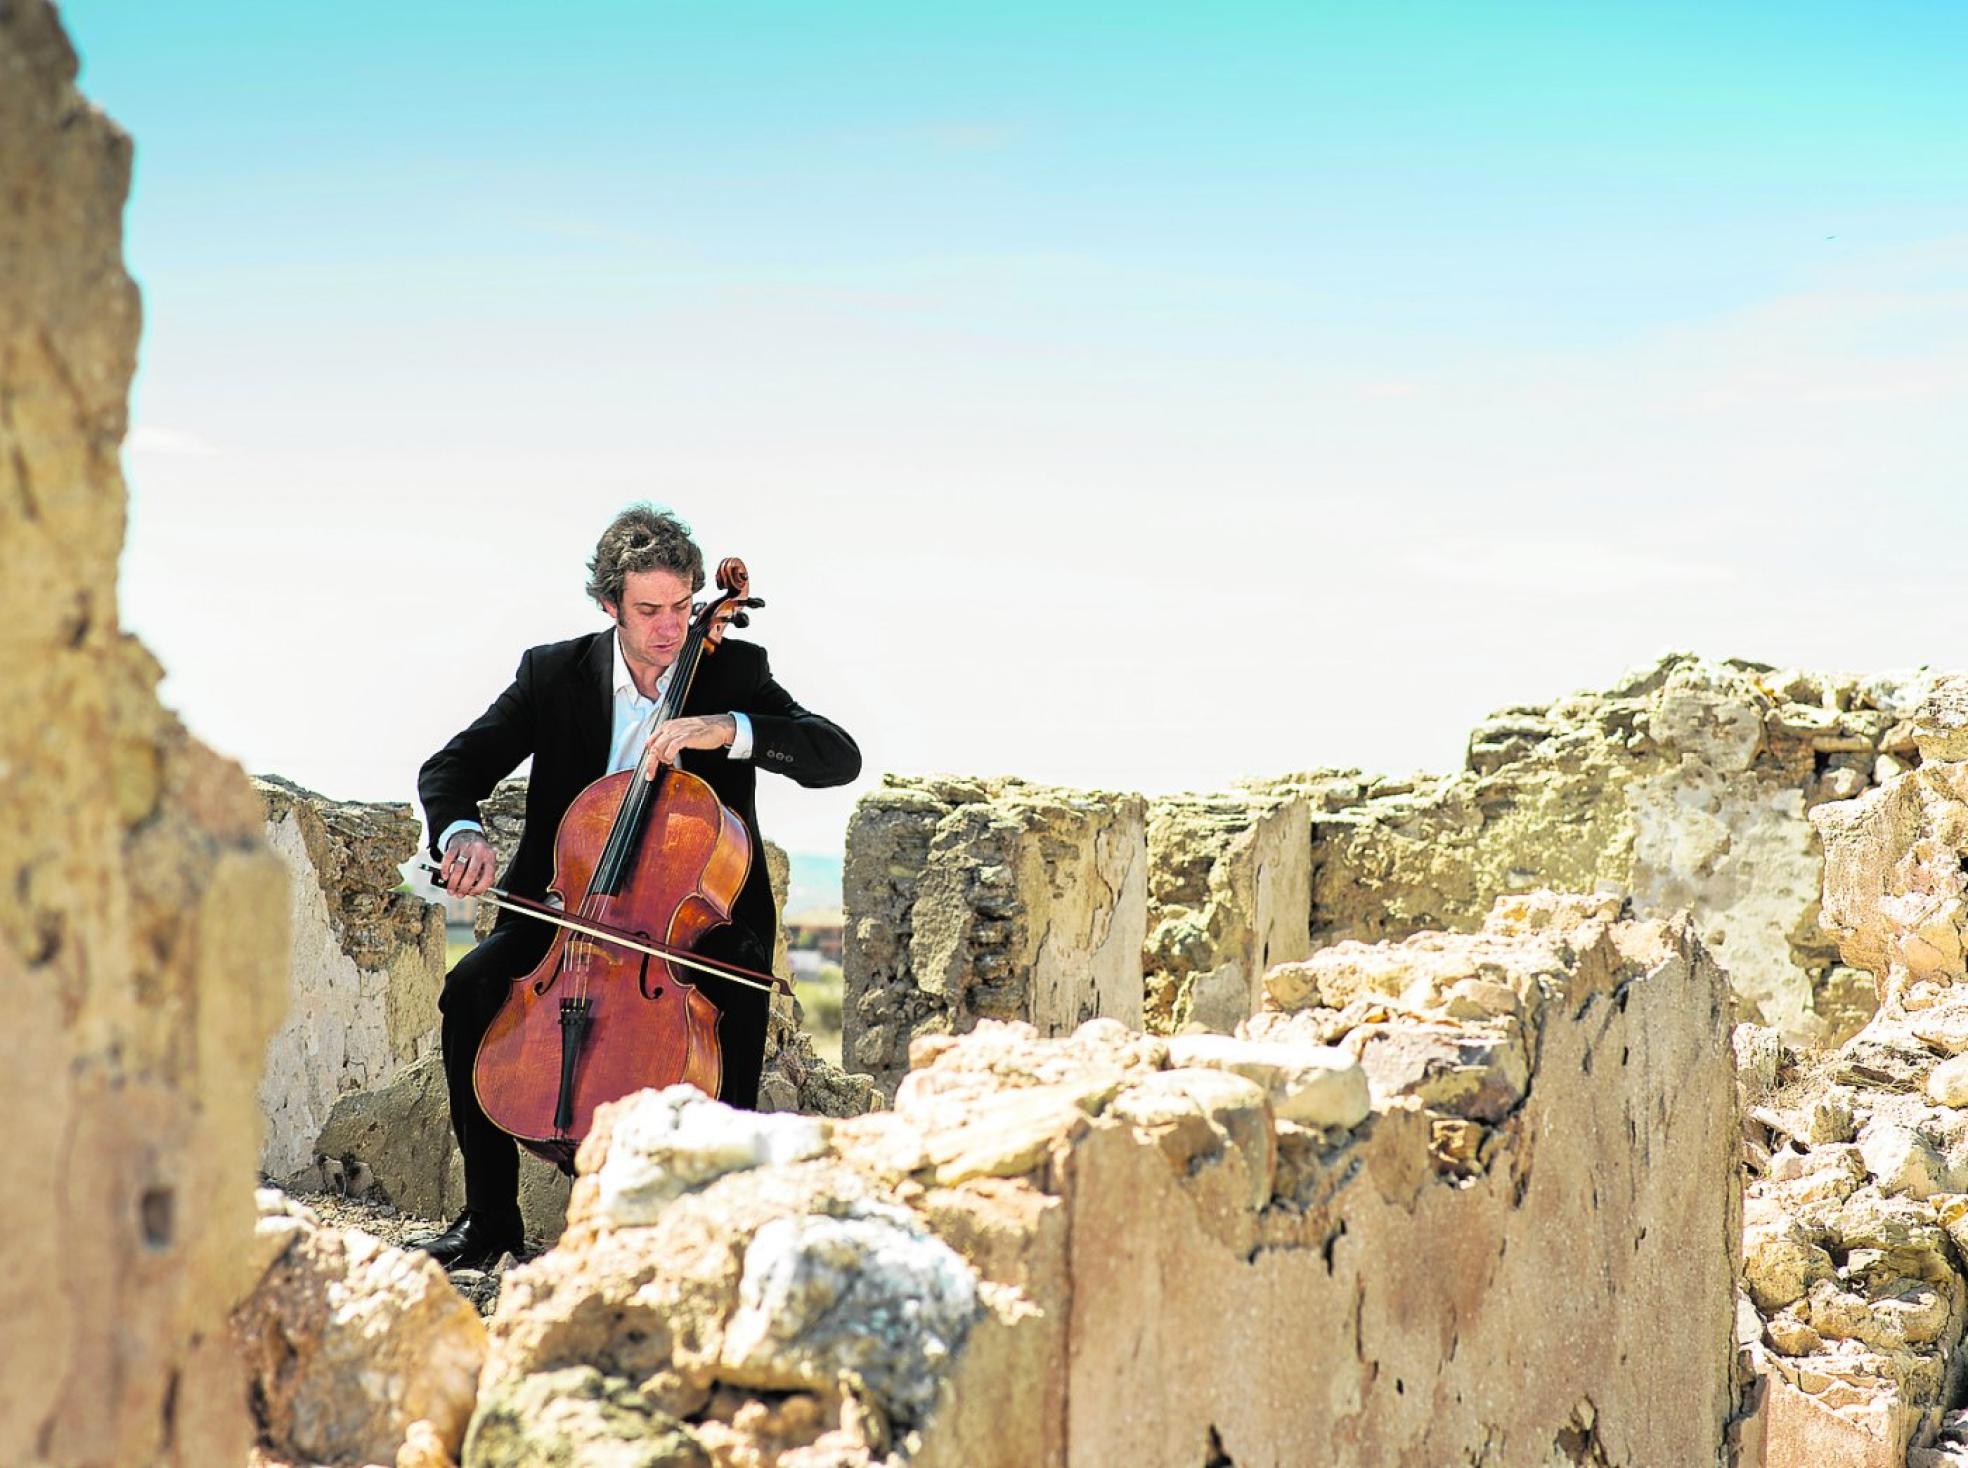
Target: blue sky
(1119, 395)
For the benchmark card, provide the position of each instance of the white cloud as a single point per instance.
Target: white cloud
(1547, 564)
(146, 439)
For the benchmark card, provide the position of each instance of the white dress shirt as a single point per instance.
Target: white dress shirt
(634, 721)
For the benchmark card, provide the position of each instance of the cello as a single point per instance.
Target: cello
(646, 862)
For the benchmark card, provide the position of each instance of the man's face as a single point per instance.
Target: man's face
(654, 616)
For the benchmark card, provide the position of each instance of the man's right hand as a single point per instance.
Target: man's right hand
(469, 864)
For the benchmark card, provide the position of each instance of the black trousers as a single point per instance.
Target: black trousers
(477, 985)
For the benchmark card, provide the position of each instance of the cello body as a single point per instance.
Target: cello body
(594, 1020)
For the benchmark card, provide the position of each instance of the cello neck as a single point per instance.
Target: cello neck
(684, 673)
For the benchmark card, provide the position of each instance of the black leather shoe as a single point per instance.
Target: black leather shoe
(474, 1241)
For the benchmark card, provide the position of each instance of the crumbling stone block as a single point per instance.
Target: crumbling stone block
(366, 963)
(394, 1144)
(1687, 785)
(1859, 1162)
(988, 899)
(1125, 1236)
(1229, 895)
(353, 1347)
(142, 919)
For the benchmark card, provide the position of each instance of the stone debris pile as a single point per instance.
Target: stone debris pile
(1856, 1222)
(1130, 1236)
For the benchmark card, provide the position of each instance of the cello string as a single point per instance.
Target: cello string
(633, 809)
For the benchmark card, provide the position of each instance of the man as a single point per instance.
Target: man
(582, 709)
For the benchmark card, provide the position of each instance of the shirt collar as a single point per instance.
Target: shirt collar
(624, 683)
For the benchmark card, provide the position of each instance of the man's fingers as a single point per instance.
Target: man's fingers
(663, 746)
(467, 868)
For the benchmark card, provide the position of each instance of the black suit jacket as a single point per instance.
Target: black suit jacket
(560, 709)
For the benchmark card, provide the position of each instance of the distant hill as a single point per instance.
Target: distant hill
(815, 882)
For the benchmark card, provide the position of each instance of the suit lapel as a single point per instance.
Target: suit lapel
(594, 708)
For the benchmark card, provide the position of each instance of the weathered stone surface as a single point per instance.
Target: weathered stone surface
(973, 899)
(142, 920)
(1686, 785)
(577, 1418)
(1229, 896)
(1948, 1082)
(1940, 723)
(873, 1296)
(674, 1141)
(395, 1143)
(1109, 1248)
(1895, 895)
(366, 963)
(1781, 1261)
(1315, 1086)
(349, 1343)
(1861, 1363)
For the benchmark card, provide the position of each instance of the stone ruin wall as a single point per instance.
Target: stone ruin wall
(142, 918)
(1687, 785)
(366, 963)
(988, 899)
(1856, 1244)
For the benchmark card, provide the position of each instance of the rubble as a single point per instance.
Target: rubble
(1859, 1158)
(1687, 785)
(1122, 1234)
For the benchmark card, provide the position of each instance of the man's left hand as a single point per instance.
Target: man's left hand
(670, 739)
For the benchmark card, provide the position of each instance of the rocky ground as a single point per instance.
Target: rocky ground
(480, 1286)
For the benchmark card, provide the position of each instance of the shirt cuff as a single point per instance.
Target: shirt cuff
(741, 742)
(454, 828)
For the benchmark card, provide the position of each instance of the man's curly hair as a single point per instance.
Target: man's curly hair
(642, 538)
